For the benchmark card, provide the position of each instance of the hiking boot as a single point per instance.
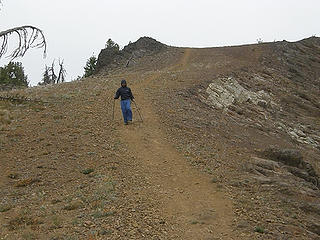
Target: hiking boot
(130, 121)
(126, 123)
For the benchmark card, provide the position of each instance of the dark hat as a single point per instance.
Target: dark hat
(123, 82)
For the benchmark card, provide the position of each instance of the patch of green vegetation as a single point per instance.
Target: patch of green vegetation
(58, 117)
(86, 132)
(66, 96)
(101, 214)
(69, 238)
(38, 107)
(214, 180)
(209, 170)
(4, 208)
(105, 232)
(87, 171)
(259, 229)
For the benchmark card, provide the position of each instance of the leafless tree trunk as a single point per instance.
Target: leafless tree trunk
(62, 73)
(53, 76)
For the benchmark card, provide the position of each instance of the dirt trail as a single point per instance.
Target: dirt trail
(188, 198)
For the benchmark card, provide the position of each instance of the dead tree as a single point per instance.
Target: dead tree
(50, 77)
(62, 73)
(28, 37)
(52, 74)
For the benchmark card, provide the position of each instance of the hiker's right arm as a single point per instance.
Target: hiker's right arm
(117, 94)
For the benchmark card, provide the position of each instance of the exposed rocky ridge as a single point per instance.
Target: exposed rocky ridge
(302, 59)
(110, 58)
(285, 86)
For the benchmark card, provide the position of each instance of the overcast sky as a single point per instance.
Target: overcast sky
(75, 29)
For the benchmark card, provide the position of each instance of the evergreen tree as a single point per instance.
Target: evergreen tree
(90, 67)
(46, 77)
(111, 44)
(13, 75)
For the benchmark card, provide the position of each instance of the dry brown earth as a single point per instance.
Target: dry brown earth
(190, 170)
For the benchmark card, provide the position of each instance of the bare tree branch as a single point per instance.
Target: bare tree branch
(29, 37)
(53, 76)
(62, 73)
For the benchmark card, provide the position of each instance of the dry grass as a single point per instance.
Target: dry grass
(26, 182)
(23, 220)
(5, 117)
(73, 205)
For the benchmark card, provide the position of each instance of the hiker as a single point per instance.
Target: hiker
(126, 98)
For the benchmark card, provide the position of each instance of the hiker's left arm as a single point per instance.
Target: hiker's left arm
(131, 97)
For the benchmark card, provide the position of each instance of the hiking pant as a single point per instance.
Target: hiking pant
(126, 110)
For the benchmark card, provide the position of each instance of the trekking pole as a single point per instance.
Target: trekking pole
(114, 101)
(138, 110)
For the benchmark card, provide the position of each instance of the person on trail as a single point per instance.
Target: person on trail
(126, 98)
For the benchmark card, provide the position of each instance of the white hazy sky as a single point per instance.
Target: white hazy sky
(75, 29)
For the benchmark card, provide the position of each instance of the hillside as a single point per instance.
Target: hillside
(228, 147)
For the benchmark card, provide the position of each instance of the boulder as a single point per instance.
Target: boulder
(290, 157)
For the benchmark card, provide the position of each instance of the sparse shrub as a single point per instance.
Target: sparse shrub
(105, 191)
(214, 180)
(73, 205)
(24, 219)
(4, 208)
(57, 222)
(78, 78)
(87, 171)
(259, 40)
(104, 194)
(101, 214)
(29, 236)
(5, 117)
(26, 182)
(259, 229)
(55, 201)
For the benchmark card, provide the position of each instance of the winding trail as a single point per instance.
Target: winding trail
(187, 196)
